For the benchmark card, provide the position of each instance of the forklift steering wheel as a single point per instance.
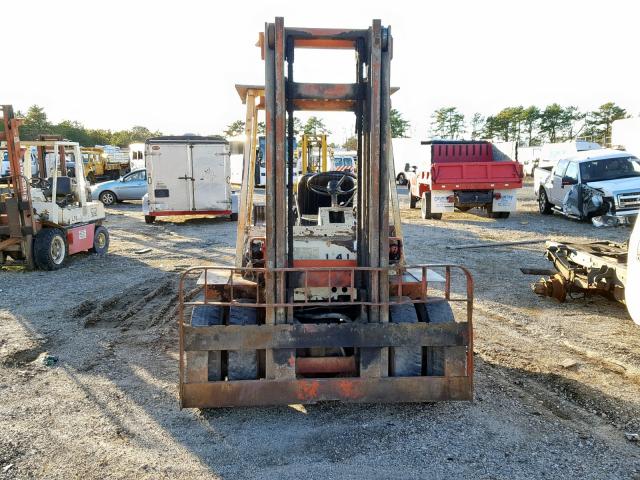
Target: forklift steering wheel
(42, 183)
(330, 183)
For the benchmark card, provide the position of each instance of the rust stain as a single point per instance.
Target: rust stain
(308, 390)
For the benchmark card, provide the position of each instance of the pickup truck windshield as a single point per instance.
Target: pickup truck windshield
(609, 169)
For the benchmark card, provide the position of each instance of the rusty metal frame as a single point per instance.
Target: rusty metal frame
(17, 210)
(288, 337)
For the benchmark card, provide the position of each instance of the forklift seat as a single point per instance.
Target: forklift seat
(64, 186)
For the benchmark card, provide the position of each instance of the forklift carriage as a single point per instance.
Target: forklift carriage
(320, 304)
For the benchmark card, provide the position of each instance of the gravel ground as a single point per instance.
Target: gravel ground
(108, 407)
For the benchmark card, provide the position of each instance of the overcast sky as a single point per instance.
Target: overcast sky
(172, 66)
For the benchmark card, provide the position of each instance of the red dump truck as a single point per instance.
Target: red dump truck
(465, 174)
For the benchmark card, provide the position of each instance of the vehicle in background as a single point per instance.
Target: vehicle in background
(407, 153)
(625, 134)
(343, 161)
(465, 174)
(133, 186)
(188, 175)
(116, 158)
(236, 158)
(529, 157)
(136, 156)
(98, 166)
(601, 185)
(551, 153)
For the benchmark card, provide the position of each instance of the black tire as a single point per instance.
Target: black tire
(404, 361)
(108, 198)
(149, 219)
(545, 207)
(50, 249)
(243, 364)
(425, 208)
(438, 312)
(233, 217)
(204, 316)
(100, 241)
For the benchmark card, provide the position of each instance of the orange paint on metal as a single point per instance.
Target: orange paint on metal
(349, 389)
(308, 390)
(335, 278)
(292, 360)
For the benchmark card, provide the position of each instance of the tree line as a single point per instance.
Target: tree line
(35, 123)
(529, 126)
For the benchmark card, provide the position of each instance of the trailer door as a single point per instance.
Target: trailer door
(170, 179)
(210, 170)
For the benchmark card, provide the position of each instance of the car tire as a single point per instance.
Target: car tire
(413, 201)
(50, 249)
(108, 198)
(149, 219)
(545, 207)
(100, 241)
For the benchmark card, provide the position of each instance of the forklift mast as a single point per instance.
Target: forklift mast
(321, 304)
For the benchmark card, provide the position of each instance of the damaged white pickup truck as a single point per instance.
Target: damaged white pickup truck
(598, 185)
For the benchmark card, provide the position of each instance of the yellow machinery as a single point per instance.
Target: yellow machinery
(314, 163)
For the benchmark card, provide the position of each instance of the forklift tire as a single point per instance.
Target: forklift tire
(204, 316)
(243, 364)
(404, 361)
(100, 241)
(149, 218)
(425, 208)
(437, 312)
(50, 249)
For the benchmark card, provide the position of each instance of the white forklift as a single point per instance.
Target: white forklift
(46, 218)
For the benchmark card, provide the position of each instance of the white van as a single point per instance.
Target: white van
(551, 153)
(188, 175)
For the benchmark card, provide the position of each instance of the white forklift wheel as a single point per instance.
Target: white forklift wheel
(632, 287)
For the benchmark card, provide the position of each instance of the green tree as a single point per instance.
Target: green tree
(315, 126)
(477, 126)
(262, 128)
(530, 119)
(598, 123)
(553, 121)
(447, 122)
(234, 129)
(351, 143)
(35, 123)
(573, 120)
(399, 125)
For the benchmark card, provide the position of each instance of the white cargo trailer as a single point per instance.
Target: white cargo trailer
(188, 175)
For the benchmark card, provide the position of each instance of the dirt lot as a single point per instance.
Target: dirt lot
(108, 407)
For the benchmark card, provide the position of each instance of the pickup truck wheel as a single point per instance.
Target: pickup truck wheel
(425, 208)
(544, 206)
(413, 201)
